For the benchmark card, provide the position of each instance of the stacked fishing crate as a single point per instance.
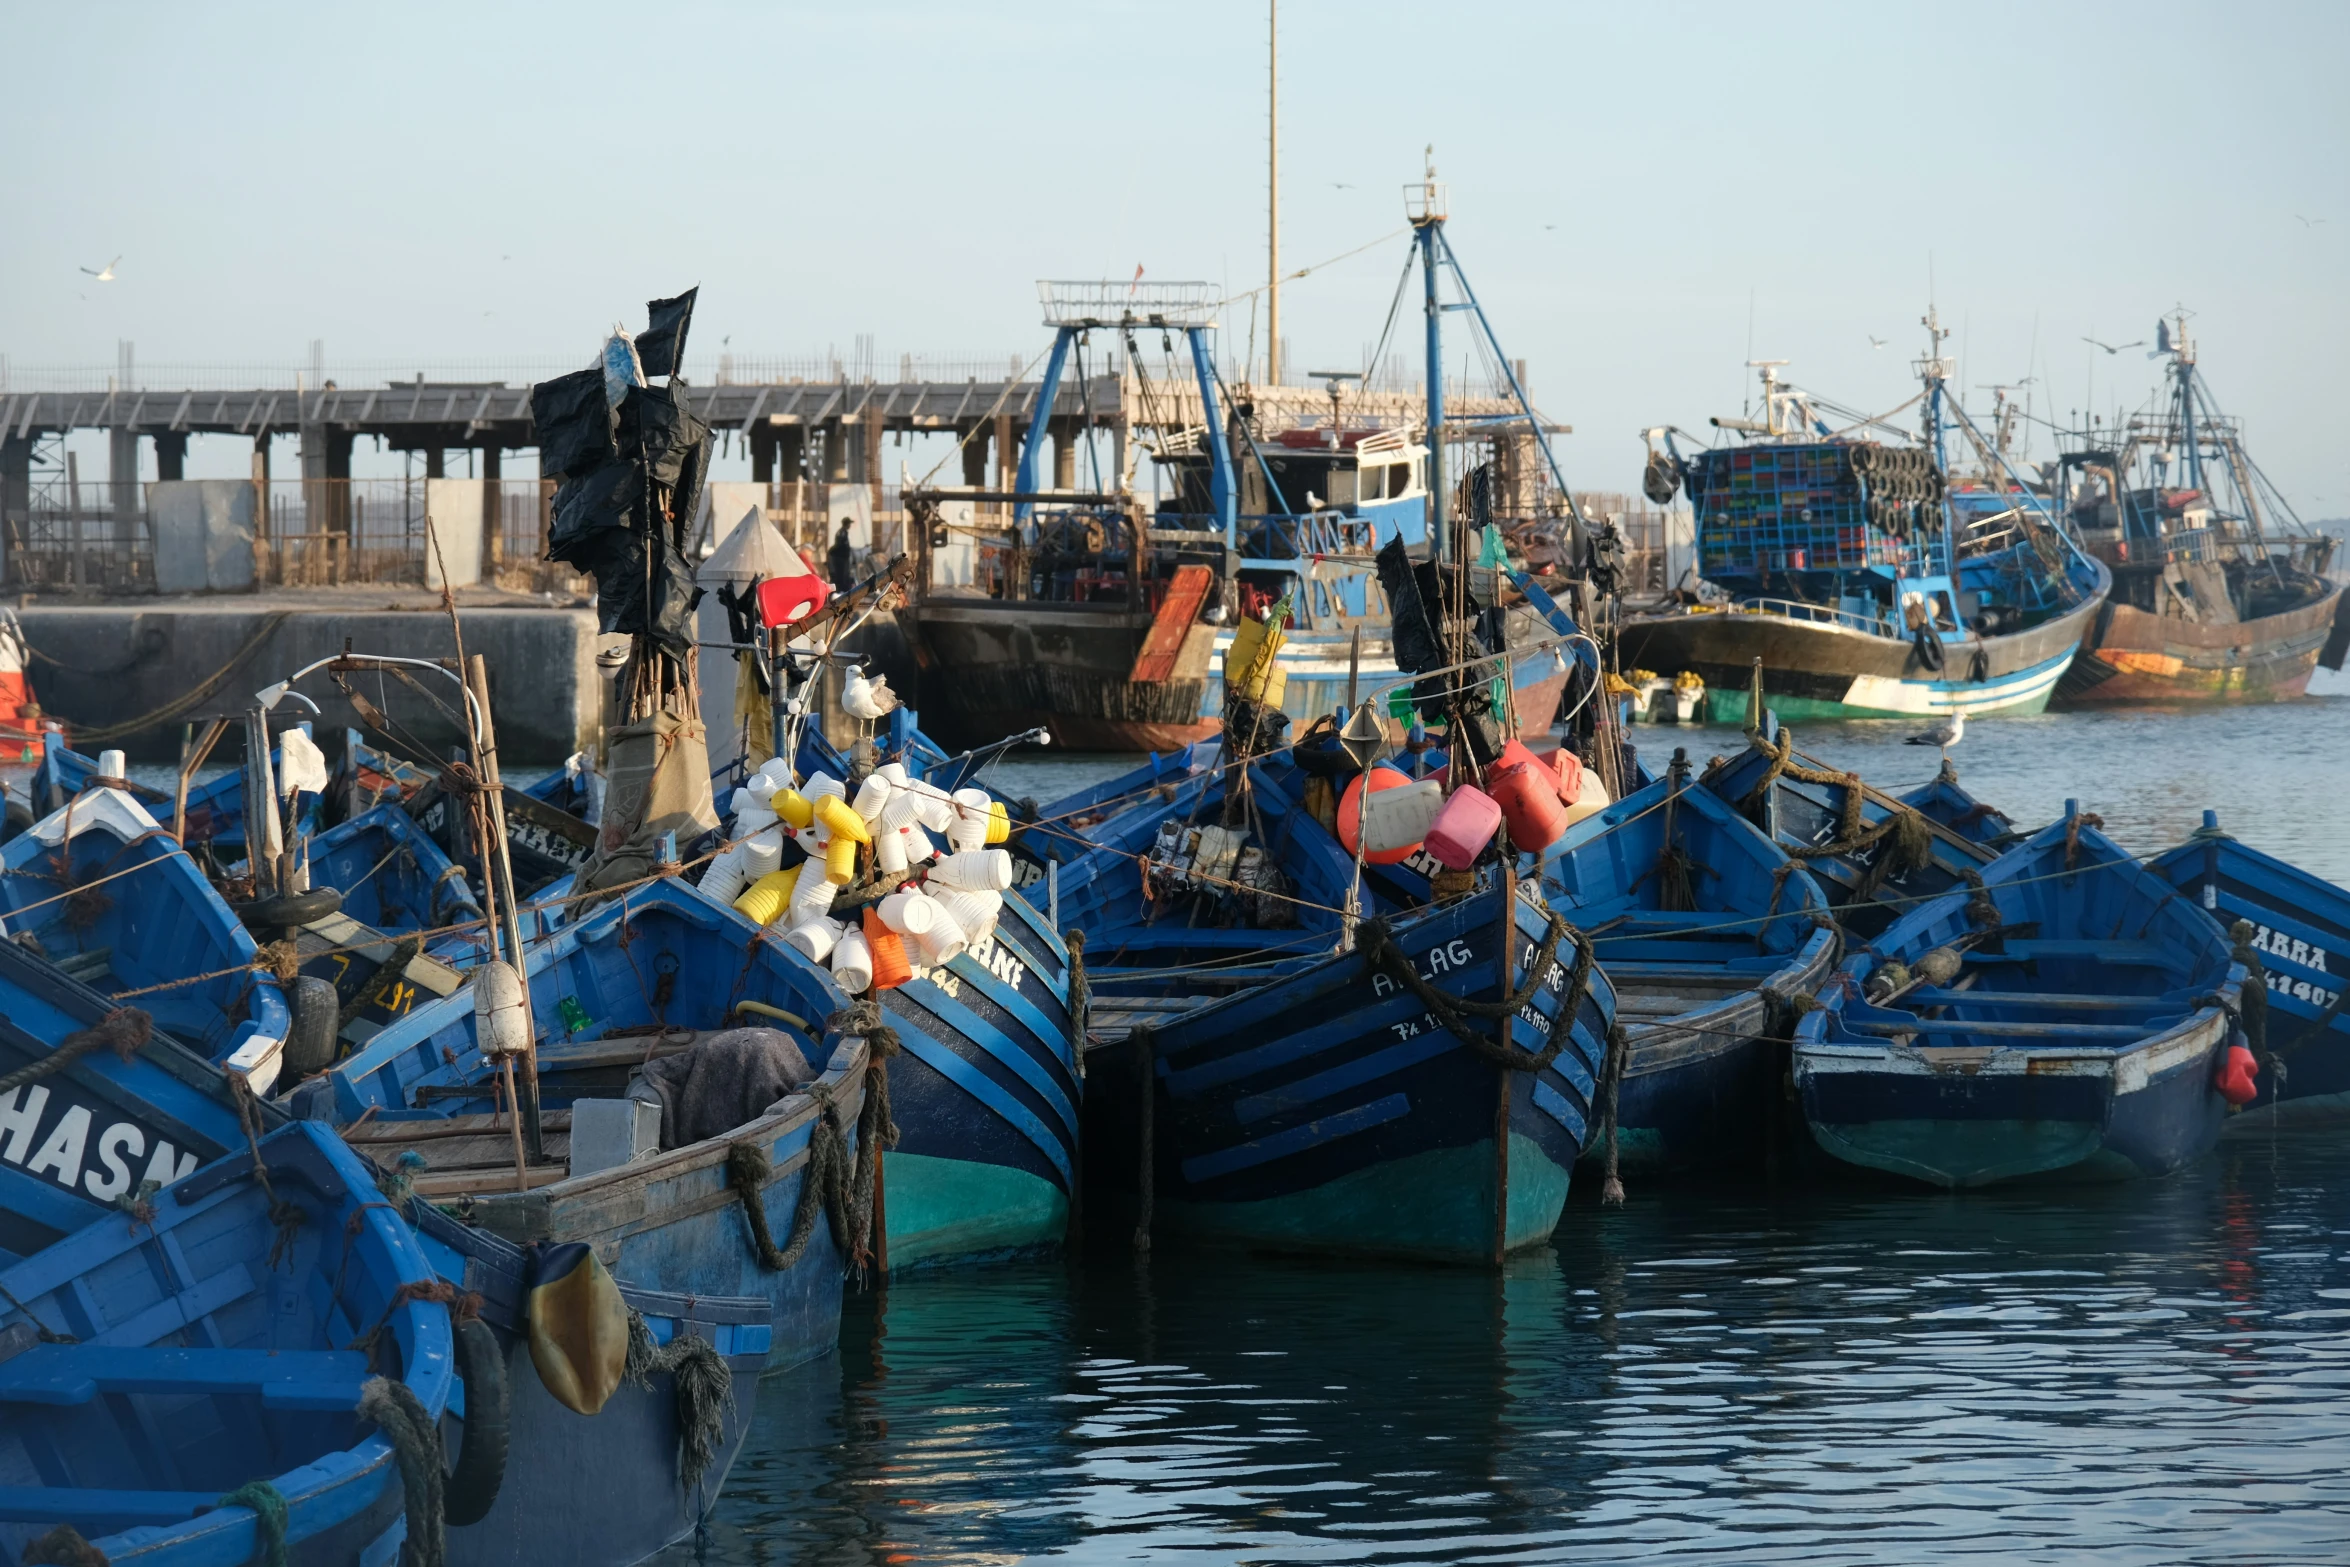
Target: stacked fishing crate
(1778, 509)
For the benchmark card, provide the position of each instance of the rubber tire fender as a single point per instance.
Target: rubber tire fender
(316, 1010)
(472, 1487)
(291, 908)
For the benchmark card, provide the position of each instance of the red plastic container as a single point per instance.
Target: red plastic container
(783, 600)
(2238, 1077)
(1528, 794)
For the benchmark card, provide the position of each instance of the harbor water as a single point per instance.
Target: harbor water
(1816, 1372)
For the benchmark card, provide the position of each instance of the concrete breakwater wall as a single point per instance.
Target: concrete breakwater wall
(98, 666)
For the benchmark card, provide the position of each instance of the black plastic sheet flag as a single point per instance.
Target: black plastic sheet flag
(592, 509)
(661, 345)
(574, 423)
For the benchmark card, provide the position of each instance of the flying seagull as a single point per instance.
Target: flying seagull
(2309, 223)
(1340, 185)
(1875, 341)
(104, 274)
(1945, 734)
(2113, 348)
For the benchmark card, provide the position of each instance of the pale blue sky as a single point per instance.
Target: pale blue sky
(1624, 180)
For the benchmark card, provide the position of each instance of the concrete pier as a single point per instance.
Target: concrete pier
(97, 665)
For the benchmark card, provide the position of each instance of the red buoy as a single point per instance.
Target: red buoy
(2237, 1077)
(1350, 814)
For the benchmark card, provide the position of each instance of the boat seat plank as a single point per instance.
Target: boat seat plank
(2023, 949)
(2057, 1001)
(2050, 1030)
(101, 1511)
(405, 1132)
(67, 1374)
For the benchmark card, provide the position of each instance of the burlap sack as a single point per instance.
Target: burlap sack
(658, 782)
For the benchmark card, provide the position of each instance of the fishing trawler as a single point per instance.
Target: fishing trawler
(1107, 617)
(1841, 552)
(2220, 592)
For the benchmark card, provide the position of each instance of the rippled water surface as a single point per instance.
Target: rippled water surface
(2156, 1373)
(1821, 1372)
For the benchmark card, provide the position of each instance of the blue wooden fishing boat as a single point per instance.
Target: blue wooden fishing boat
(1339, 1108)
(215, 811)
(1944, 802)
(102, 891)
(1875, 856)
(2300, 936)
(391, 874)
(104, 1126)
(238, 1346)
(641, 976)
(1708, 932)
(2067, 1023)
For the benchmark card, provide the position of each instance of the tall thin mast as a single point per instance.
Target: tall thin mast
(1273, 192)
(1425, 207)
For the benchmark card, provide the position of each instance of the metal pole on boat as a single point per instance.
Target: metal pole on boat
(1428, 221)
(498, 865)
(262, 842)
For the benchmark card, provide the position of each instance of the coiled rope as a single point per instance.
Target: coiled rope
(833, 1181)
(125, 1031)
(270, 1517)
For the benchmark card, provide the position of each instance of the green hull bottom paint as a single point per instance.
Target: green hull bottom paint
(1729, 707)
(953, 1210)
(1964, 1154)
(1638, 1148)
(1430, 1207)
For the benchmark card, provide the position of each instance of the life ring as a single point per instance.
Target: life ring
(472, 1487)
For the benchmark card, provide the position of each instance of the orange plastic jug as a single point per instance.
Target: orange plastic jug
(1528, 795)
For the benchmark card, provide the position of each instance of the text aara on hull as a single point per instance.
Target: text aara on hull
(1868, 579)
(2220, 593)
(1108, 614)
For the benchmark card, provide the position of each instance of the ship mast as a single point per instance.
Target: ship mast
(1273, 192)
(1425, 208)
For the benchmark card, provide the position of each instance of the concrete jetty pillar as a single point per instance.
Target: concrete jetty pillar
(16, 497)
(435, 461)
(975, 456)
(171, 455)
(1065, 453)
(836, 452)
(763, 454)
(493, 506)
(122, 487)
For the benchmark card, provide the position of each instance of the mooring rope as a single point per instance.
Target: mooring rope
(702, 1385)
(416, 1441)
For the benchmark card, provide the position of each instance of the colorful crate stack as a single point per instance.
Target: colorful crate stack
(1781, 509)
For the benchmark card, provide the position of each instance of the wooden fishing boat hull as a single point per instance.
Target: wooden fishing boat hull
(1333, 1112)
(604, 1490)
(2066, 1022)
(1815, 669)
(2301, 934)
(392, 876)
(206, 1346)
(985, 1095)
(2130, 656)
(1966, 1117)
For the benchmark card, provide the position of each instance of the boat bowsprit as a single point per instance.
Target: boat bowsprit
(2072, 1021)
(236, 1364)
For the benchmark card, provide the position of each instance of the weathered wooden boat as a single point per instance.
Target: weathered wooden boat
(1709, 933)
(612, 1490)
(2296, 927)
(2220, 593)
(644, 975)
(1944, 802)
(1868, 581)
(231, 1368)
(215, 810)
(101, 890)
(1371, 1103)
(392, 876)
(2066, 1023)
(1874, 855)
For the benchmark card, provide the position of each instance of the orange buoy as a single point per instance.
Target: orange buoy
(2238, 1077)
(890, 968)
(1350, 814)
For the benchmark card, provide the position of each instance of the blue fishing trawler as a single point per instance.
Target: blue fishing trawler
(1868, 579)
(2299, 934)
(234, 1367)
(2072, 1021)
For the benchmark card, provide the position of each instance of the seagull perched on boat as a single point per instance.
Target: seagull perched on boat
(104, 274)
(1945, 734)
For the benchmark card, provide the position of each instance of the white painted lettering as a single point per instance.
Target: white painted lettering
(1438, 961)
(169, 1165)
(117, 1141)
(1462, 957)
(1381, 984)
(2300, 954)
(20, 1117)
(63, 1151)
